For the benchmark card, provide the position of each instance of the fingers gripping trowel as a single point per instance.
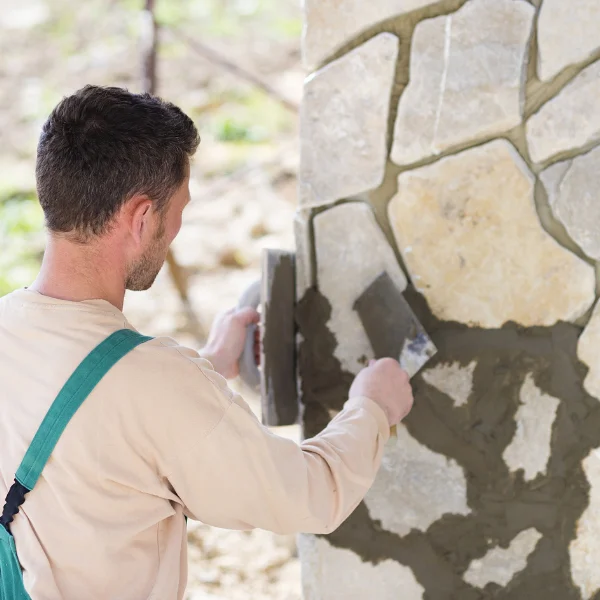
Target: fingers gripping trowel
(390, 324)
(392, 327)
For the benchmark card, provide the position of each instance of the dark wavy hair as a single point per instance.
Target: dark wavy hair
(101, 146)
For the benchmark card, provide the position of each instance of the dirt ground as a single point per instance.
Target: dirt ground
(243, 184)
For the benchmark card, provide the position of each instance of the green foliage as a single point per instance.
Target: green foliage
(289, 28)
(171, 12)
(21, 239)
(228, 130)
(251, 117)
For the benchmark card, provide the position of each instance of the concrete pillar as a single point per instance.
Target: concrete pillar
(455, 144)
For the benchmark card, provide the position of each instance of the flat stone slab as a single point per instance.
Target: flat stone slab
(470, 236)
(343, 123)
(330, 24)
(569, 121)
(352, 252)
(567, 34)
(279, 392)
(588, 353)
(530, 447)
(330, 573)
(584, 550)
(500, 565)
(573, 188)
(467, 74)
(452, 379)
(415, 487)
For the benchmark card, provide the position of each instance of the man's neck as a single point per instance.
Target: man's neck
(70, 272)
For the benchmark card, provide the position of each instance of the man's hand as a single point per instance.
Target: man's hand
(384, 382)
(226, 340)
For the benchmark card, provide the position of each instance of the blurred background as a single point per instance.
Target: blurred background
(232, 65)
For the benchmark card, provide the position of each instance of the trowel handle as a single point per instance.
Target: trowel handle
(249, 371)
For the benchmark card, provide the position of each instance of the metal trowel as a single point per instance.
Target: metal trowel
(392, 327)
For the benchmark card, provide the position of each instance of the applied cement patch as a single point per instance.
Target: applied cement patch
(475, 435)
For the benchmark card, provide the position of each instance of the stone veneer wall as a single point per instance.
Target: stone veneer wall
(456, 144)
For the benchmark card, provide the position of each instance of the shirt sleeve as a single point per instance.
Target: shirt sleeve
(230, 471)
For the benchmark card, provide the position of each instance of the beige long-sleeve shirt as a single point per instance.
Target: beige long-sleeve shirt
(161, 436)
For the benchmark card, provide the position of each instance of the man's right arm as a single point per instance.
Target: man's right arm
(230, 471)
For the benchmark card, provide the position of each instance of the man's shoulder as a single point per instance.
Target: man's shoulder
(11, 298)
(161, 384)
(163, 360)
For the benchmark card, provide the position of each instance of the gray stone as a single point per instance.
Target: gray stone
(587, 352)
(567, 34)
(530, 447)
(332, 23)
(352, 252)
(303, 237)
(453, 380)
(500, 565)
(330, 573)
(569, 121)
(584, 550)
(467, 74)
(343, 123)
(415, 487)
(573, 188)
(472, 241)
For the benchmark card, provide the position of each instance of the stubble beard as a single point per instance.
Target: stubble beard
(144, 271)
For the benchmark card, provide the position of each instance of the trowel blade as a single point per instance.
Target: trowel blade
(392, 327)
(279, 391)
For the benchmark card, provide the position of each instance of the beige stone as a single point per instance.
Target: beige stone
(567, 34)
(573, 188)
(415, 487)
(569, 121)
(530, 447)
(584, 550)
(472, 241)
(467, 73)
(588, 351)
(500, 565)
(453, 380)
(330, 24)
(330, 573)
(343, 123)
(352, 252)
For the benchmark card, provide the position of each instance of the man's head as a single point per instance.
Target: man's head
(112, 164)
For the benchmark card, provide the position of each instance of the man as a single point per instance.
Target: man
(161, 436)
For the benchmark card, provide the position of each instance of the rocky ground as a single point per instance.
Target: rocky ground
(243, 185)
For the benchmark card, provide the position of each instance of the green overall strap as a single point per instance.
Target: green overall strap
(84, 379)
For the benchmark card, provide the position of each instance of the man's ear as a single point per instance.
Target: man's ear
(138, 211)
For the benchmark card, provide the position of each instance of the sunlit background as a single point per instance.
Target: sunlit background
(234, 67)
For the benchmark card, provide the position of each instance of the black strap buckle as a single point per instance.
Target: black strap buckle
(14, 500)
